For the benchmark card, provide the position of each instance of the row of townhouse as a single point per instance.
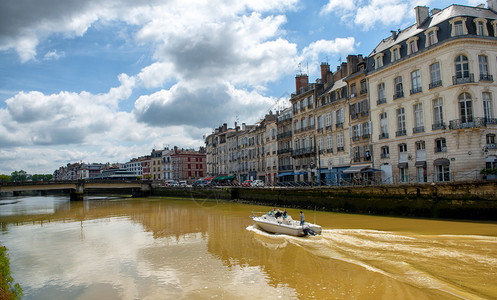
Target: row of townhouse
(419, 108)
(161, 165)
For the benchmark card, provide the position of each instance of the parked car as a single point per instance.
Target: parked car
(201, 183)
(257, 183)
(173, 184)
(247, 182)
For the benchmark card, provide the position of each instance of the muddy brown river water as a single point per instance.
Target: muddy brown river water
(157, 248)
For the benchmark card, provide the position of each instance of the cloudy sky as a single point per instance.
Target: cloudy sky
(106, 81)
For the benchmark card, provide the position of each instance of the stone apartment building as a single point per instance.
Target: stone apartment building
(432, 96)
(419, 108)
(184, 164)
(156, 164)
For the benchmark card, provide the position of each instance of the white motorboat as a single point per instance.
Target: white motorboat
(285, 225)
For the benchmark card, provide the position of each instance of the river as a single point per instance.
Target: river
(158, 248)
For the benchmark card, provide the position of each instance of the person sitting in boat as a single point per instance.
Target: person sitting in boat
(302, 218)
(278, 214)
(272, 212)
(284, 214)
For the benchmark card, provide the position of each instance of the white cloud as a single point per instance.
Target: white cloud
(367, 14)
(53, 55)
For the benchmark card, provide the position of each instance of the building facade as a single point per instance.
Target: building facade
(432, 94)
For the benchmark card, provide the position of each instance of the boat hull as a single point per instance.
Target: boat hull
(292, 228)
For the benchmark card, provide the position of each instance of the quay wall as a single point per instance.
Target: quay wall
(468, 200)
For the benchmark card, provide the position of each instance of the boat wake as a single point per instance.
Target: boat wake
(440, 262)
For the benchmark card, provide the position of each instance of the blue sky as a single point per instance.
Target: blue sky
(106, 81)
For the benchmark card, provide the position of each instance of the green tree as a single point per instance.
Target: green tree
(41, 177)
(5, 178)
(19, 176)
(8, 288)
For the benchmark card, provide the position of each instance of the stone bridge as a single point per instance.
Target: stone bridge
(77, 187)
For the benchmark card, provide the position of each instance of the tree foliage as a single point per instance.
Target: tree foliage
(8, 288)
(5, 178)
(19, 176)
(41, 177)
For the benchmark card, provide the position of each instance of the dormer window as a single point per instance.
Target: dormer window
(431, 36)
(458, 26)
(378, 60)
(412, 45)
(395, 53)
(481, 26)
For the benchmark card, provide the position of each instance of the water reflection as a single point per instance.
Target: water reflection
(170, 249)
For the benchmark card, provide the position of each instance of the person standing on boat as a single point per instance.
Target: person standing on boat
(302, 218)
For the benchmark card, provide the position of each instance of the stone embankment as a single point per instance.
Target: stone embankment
(463, 200)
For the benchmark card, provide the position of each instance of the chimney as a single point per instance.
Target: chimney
(492, 4)
(225, 127)
(422, 13)
(325, 68)
(435, 11)
(394, 34)
(352, 61)
(236, 127)
(301, 80)
(243, 126)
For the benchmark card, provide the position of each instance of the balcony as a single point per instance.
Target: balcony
(329, 150)
(416, 90)
(340, 149)
(283, 151)
(385, 155)
(366, 136)
(303, 151)
(365, 113)
(438, 126)
(285, 168)
(354, 116)
(435, 84)
(357, 159)
(486, 77)
(320, 129)
(363, 91)
(401, 132)
(355, 138)
(418, 129)
(329, 127)
(469, 78)
(383, 135)
(339, 125)
(398, 94)
(284, 135)
(381, 101)
(440, 149)
(471, 123)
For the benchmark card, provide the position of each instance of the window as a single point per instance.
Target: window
(487, 107)
(458, 28)
(401, 122)
(431, 38)
(435, 76)
(385, 152)
(415, 82)
(320, 122)
(418, 118)
(395, 53)
(320, 144)
(465, 108)
(412, 45)
(296, 126)
(440, 145)
(356, 131)
(383, 125)
(403, 177)
(381, 93)
(311, 101)
(364, 87)
(303, 123)
(304, 103)
(481, 26)
(340, 144)
(462, 66)
(328, 120)
(442, 172)
(379, 60)
(366, 131)
(483, 66)
(399, 91)
(340, 117)
(490, 139)
(353, 91)
(329, 142)
(438, 119)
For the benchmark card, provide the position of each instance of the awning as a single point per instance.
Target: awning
(420, 164)
(208, 178)
(285, 174)
(441, 162)
(355, 169)
(370, 170)
(402, 165)
(301, 173)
